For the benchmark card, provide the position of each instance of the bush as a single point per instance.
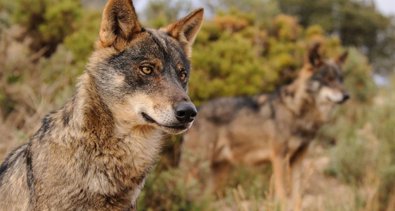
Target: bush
(364, 154)
(81, 42)
(47, 22)
(234, 56)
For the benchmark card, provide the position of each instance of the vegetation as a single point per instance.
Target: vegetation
(244, 49)
(365, 27)
(364, 154)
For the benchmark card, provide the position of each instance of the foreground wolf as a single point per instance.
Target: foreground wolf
(276, 127)
(95, 152)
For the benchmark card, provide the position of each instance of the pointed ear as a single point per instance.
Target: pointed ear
(186, 29)
(314, 56)
(342, 58)
(119, 24)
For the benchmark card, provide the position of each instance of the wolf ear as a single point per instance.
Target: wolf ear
(342, 58)
(186, 29)
(119, 24)
(314, 56)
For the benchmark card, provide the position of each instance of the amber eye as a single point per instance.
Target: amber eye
(146, 70)
(183, 74)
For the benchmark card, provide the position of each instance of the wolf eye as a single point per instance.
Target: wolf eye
(183, 75)
(146, 70)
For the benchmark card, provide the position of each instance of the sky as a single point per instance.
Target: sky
(386, 6)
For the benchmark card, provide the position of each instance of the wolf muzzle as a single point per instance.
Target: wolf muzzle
(346, 97)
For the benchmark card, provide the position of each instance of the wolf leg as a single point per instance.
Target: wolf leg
(297, 190)
(296, 174)
(279, 169)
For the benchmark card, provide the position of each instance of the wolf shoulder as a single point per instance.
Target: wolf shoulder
(14, 190)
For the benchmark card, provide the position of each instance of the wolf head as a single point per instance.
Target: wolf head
(142, 74)
(326, 81)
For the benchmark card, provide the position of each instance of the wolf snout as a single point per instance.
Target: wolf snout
(346, 97)
(185, 112)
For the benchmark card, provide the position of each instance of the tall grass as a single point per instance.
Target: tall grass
(364, 157)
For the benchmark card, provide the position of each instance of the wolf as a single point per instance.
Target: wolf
(95, 152)
(276, 127)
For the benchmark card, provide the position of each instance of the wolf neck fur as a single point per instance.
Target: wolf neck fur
(92, 126)
(89, 115)
(300, 104)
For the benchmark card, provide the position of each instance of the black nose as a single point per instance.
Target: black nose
(346, 96)
(185, 112)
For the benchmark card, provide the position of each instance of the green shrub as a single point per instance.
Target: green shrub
(364, 155)
(47, 22)
(358, 77)
(81, 42)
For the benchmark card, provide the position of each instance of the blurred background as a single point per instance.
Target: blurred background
(244, 48)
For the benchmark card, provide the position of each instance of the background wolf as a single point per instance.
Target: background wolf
(276, 127)
(95, 152)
